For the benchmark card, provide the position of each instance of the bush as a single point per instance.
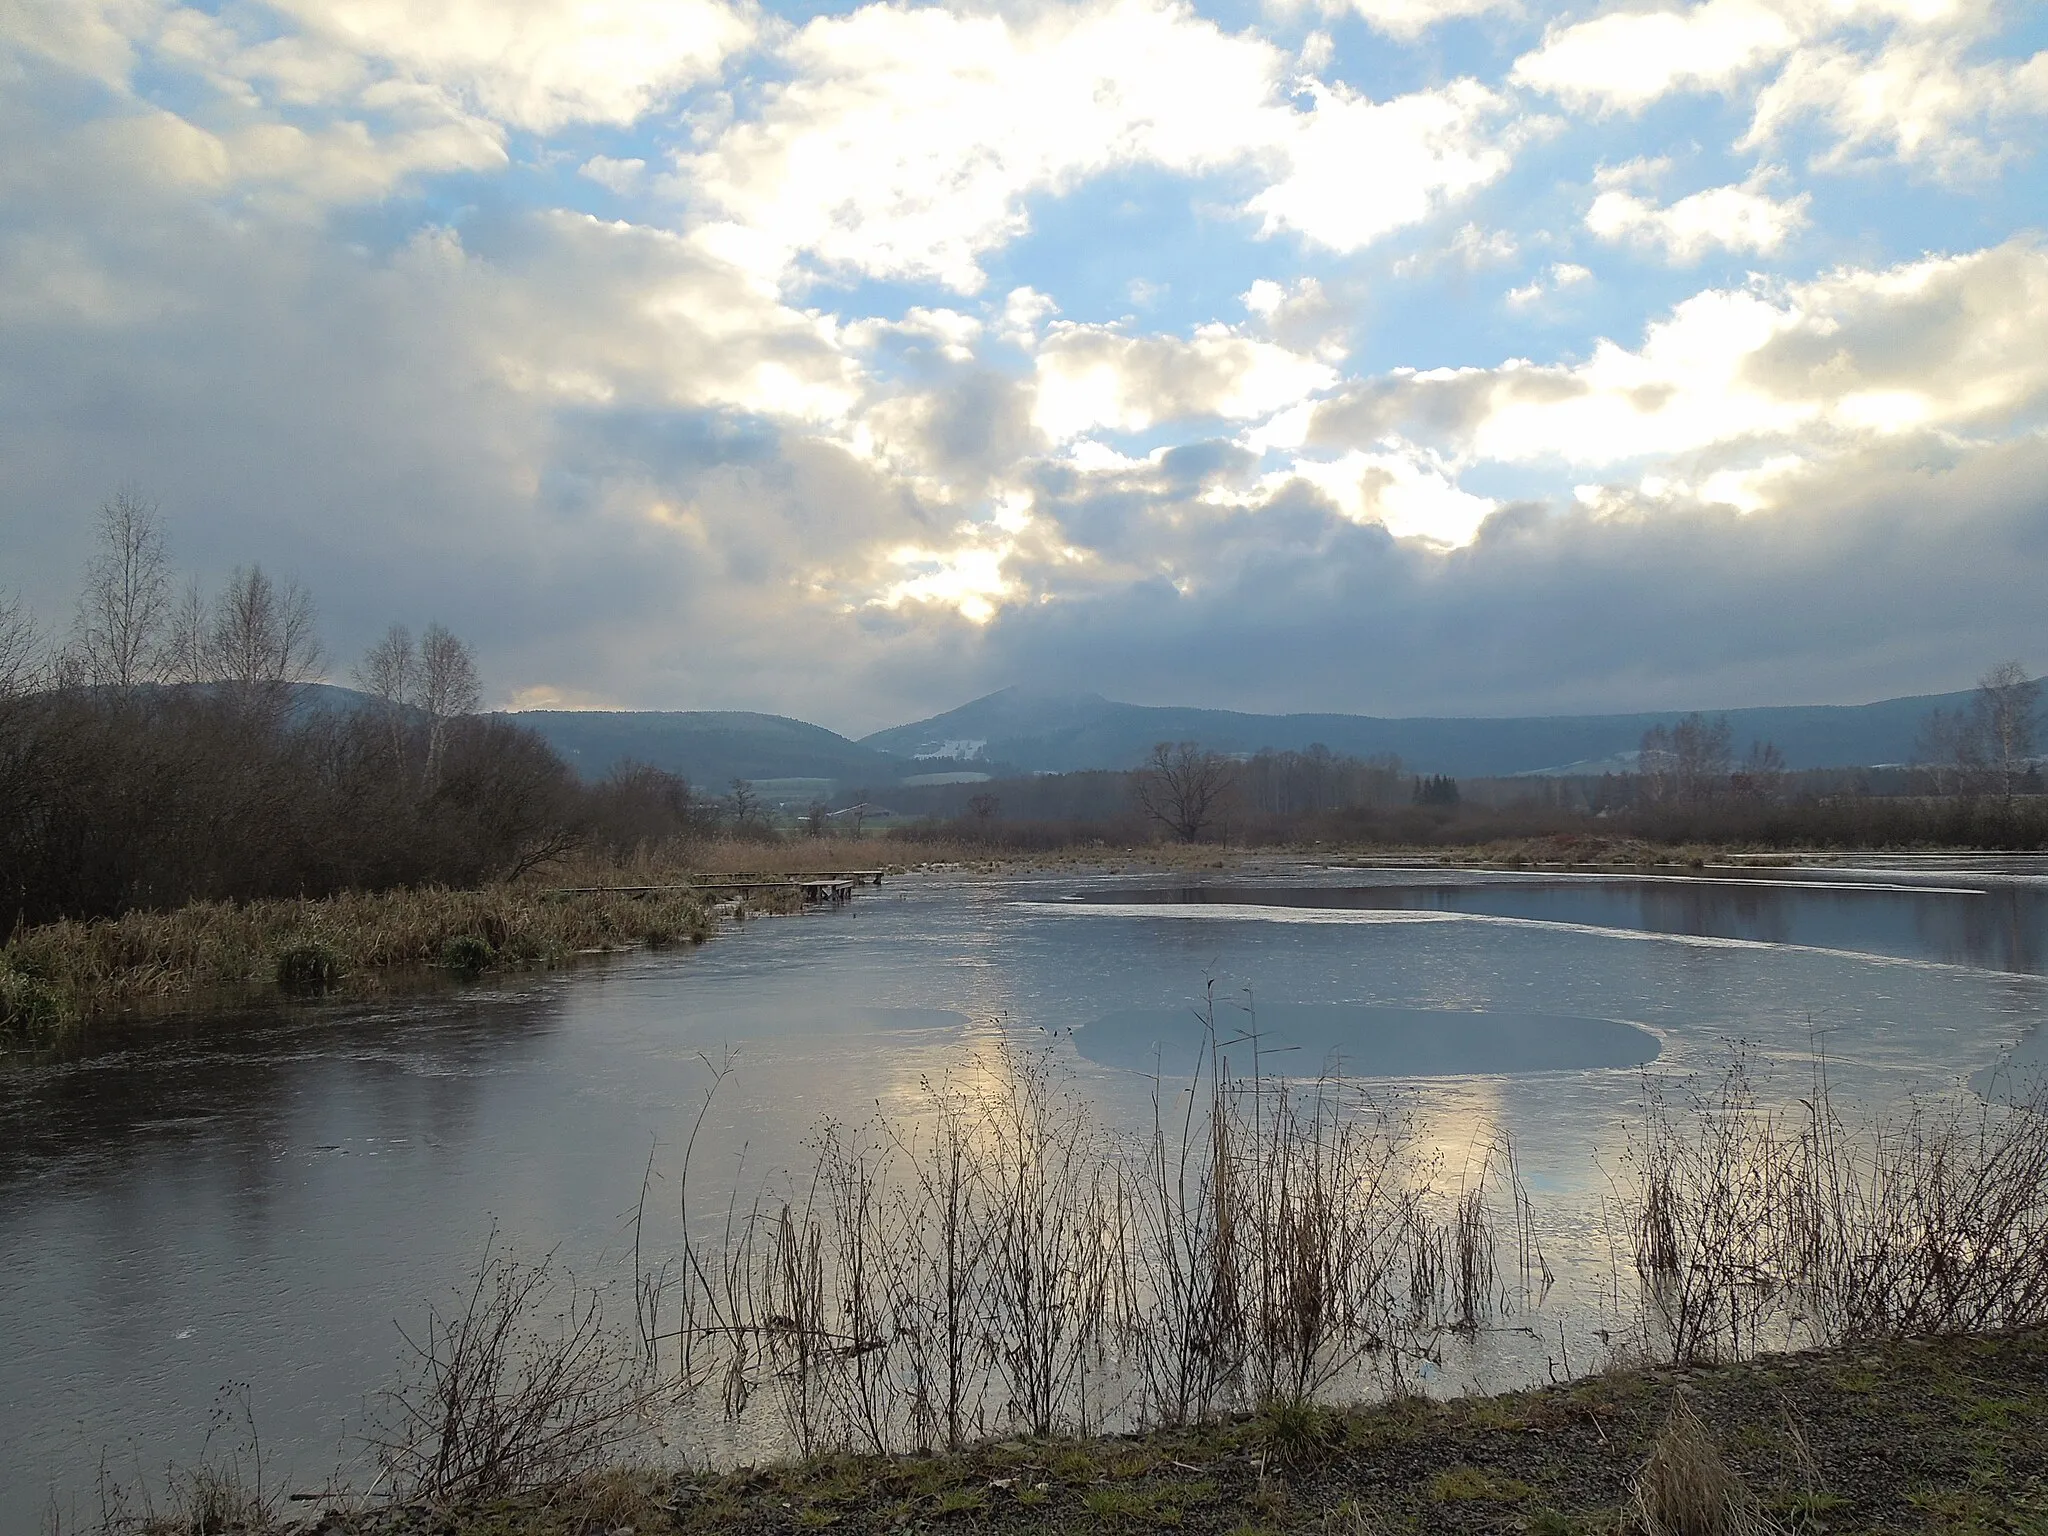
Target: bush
(468, 955)
(306, 970)
(31, 1012)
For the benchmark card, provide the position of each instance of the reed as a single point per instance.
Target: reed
(1766, 1228)
(1002, 1263)
(57, 976)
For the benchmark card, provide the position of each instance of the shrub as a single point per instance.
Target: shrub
(306, 970)
(31, 1012)
(468, 955)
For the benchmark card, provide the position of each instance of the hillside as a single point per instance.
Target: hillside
(707, 747)
(1032, 732)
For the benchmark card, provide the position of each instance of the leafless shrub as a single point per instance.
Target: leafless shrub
(522, 1391)
(1756, 1228)
(1000, 1262)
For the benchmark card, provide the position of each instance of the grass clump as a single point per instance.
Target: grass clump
(309, 969)
(468, 955)
(1461, 1485)
(1686, 1489)
(32, 1012)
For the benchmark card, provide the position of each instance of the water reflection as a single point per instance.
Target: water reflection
(1363, 1040)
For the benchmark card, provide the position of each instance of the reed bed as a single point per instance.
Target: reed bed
(58, 975)
(1002, 1263)
(1764, 1228)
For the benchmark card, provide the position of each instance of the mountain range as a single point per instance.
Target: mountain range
(1023, 731)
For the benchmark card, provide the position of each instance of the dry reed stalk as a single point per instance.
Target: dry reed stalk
(1756, 1229)
(523, 1390)
(1686, 1489)
(1001, 1263)
(104, 966)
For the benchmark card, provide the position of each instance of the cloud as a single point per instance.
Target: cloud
(802, 422)
(1633, 604)
(1744, 218)
(905, 142)
(1091, 377)
(1408, 19)
(536, 64)
(1918, 351)
(1358, 169)
(1886, 78)
(1916, 100)
(1554, 279)
(620, 176)
(1627, 59)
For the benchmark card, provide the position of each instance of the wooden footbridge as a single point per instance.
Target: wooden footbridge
(817, 887)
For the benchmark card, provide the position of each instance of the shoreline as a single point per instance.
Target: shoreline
(58, 979)
(1937, 1435)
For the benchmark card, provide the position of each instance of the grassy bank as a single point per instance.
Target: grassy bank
(57, 976)
(1944, 1435)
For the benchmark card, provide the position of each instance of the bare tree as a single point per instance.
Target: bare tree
(1762, 773)
(1184, 789)
(745, 804)
(435, 681)
(1685, 763)
(388, 670)
(115, 638)
(187, 655)
(448, 688)
(2006, 702)
(263, 644)
(21, 669)
(448, 683)
(388, 673)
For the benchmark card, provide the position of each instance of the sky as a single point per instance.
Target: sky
(848, 362)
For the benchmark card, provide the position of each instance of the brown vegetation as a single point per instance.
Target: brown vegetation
(57, 975)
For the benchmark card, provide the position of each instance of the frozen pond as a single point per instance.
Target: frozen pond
(260, 1199)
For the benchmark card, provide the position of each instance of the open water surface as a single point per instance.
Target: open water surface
(262, 1199)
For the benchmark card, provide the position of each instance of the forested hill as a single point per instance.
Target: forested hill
(708, 747)
(1037, 732)
(1020, 731)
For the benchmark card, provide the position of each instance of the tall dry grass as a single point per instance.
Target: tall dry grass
(1760, 1228)
(1003, 1263)
(66, 973)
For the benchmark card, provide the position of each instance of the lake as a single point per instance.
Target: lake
(263, 1198)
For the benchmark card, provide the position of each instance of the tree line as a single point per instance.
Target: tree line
(1972, 783)
(165, 748)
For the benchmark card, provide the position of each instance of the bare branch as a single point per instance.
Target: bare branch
(122, 611)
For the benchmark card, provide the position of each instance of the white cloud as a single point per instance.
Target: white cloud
(1301, 315)
(1410, 18)
(1744, 218)
(1915, 99)
(1092, 377)
(1627, 59)
(1894, 78)
(620, 176)
(1402, 488)
(1553, 279)
(537, 64)
(1357, 169)
(1735, 376)
(905, 142)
